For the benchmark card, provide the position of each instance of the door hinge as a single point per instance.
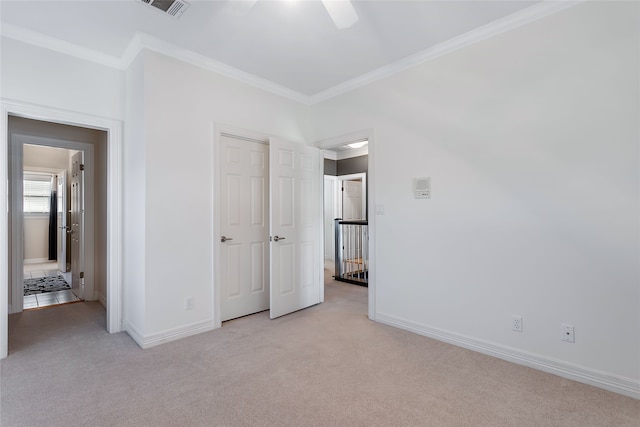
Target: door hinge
(81, 167)
(82, 274)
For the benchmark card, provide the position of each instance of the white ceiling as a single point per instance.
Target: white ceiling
(292, 46)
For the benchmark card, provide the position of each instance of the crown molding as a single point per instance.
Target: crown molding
(353, 152)
(144, 41)
(329, 155)
(517, 19)
(38, 39)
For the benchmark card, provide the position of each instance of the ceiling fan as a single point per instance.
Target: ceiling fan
(341, 11)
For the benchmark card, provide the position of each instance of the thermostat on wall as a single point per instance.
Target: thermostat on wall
(422, 187)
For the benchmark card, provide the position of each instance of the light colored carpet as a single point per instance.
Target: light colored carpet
(324, 366)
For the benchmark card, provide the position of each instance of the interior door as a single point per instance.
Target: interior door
(352, 200)
(244, 227)
(77, 224)
(62, 220)
(296, 220)
(330, 214)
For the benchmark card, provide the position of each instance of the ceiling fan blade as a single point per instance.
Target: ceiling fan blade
(342, 13)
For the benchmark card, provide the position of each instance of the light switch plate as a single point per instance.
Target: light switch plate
(422, 187)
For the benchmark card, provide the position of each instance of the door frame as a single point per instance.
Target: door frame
(114, 204)
(17, 218)
(62, 237)
(338, 141)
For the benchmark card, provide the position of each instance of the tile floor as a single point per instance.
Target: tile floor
(50, 298)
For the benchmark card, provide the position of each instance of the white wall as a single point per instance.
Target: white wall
(134, 170)
(173, 145)
(43, 77)
(36, 238)
(38, 156)
(531, 142)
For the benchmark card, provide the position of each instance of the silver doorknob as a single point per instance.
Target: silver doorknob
(224, 239)
(276, 238)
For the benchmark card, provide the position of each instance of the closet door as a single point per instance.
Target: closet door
(296, 226)
(244, 227)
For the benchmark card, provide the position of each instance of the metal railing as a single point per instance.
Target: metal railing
(352, 251)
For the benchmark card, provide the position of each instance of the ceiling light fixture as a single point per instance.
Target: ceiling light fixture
(358, 144)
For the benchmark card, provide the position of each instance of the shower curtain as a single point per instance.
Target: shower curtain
(53, 227)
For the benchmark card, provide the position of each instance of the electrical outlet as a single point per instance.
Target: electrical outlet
(516, 324)
(568, 333)
(188, 303)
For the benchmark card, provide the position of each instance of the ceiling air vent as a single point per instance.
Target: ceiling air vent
(174, 8)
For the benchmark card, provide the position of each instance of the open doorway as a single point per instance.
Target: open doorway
(60, 160)
(47, 276)
(346, 213)
(336, 145)
(110, 212)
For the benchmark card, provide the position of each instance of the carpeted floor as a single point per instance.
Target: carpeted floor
(43, 285)
(324, 366)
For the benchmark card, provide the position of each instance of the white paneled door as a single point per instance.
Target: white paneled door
(77, 224)
(296, 218)
(244, 227)
(352, 200)
(330, 214)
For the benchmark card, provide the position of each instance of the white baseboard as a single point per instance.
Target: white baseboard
(168, 335)
(611, 382)
(102, 298)
(38, 261)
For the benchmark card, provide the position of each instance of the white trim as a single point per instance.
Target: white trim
(35, 261)
(353, 152)
(102, 299)
(347, 154)
(369, 135)
(611, 382)
(330, 155)
(144, 41)
(16, 224)
(148, 341)
(114, 203)
(217, 131)
(515, 20)
(198, 60)
(38, 39)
